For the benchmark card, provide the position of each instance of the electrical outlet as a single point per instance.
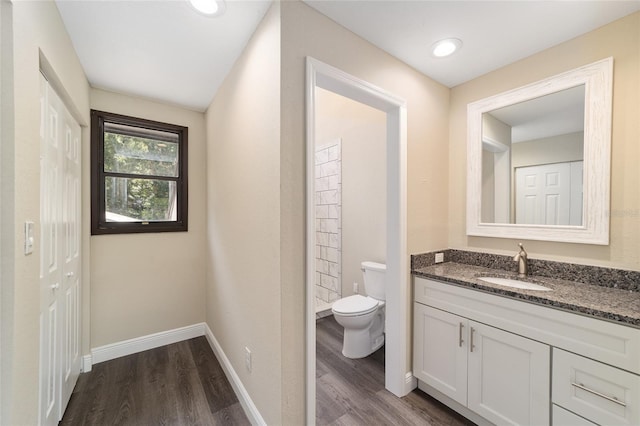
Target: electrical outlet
(439, 257)
(355, 288)
(247, 359)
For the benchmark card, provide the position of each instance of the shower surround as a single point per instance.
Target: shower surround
(328, 183)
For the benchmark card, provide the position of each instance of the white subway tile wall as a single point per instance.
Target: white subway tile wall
(328, 185)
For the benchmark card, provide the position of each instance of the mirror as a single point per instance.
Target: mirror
(532, 158)
(539, 159)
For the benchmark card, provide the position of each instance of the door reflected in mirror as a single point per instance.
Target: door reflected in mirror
(532, 161)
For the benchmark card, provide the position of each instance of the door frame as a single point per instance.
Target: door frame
(398, 377)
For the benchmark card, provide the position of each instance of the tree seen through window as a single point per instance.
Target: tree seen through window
(141, 168)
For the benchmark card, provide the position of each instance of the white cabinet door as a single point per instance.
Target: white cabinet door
(508, 377)
(440, 357)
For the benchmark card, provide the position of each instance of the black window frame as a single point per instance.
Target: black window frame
(99, 224)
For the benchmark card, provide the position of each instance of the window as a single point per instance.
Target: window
(138, 175)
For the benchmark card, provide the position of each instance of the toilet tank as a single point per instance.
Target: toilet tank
(374, 275)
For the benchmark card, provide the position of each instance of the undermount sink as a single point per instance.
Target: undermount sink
(508, 282)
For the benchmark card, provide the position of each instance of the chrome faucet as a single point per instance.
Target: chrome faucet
(521, 258)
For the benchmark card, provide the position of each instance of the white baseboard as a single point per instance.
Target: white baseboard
(249, 407)
(86, 363)
(139, 344)
(410, 383)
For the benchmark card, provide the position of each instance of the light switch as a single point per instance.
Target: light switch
(28, 237)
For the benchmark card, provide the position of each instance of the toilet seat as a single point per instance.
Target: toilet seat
(355, 305)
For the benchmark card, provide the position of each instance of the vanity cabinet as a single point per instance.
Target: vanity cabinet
(499, 360)
(494, 373)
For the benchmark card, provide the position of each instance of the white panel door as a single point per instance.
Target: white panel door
(60, 221)
(50, 249)
(439, 357)
(508, 377)
(71, 231)
(543, 194)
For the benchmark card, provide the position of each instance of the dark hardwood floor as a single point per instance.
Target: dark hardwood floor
(178, 384)
(183, 384)
(351, 391)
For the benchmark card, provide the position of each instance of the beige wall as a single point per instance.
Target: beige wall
(305, 32)
(620, 39)
(488, 187)
(496, 169)
(243, 207)
(147, 283)
(256, 203)
(554, 149)
(7, 229)
(495, 130)
(36, 27)
(364, 219)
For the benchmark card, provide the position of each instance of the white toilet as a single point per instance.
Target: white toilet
(363, 316)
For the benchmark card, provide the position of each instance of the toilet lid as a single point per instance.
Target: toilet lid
(355, 305)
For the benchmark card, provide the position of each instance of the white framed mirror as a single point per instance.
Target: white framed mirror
(538, 159)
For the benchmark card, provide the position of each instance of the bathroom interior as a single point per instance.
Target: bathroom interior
(553, 322)
(350, 211)
(350, 194)
(538, 170)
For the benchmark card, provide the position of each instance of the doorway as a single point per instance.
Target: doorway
(398, 378)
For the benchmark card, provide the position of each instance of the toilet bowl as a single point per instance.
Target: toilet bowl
(363, 316)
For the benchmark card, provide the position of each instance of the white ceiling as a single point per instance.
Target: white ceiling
(163, 50)
(493, 33)
(559, 113)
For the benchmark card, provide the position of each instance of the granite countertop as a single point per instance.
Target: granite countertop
(612, 304)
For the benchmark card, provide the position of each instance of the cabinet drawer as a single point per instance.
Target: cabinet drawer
(598, 392)
(562, 417)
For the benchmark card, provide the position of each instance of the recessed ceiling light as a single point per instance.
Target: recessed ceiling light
(446, 47)
(208, 7)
